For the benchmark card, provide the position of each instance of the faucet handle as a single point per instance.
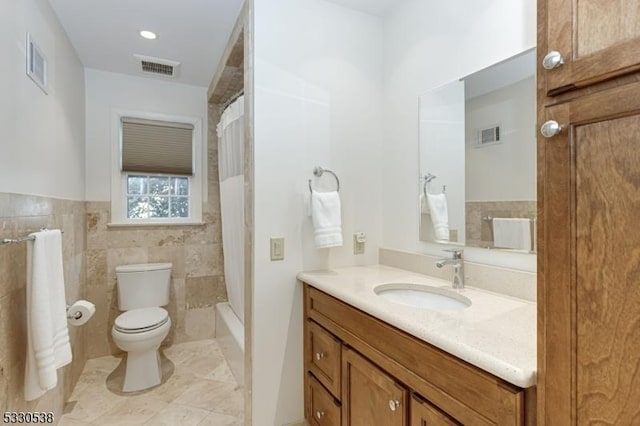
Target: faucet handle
(456, 253)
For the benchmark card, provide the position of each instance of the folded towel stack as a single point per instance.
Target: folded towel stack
(327, 220)
(48, 346)
(512, 233)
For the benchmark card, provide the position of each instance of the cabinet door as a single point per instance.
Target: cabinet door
(598, 39)
(589, 285)
(370, 397)
(423, 413)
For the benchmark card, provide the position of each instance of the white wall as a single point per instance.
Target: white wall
(106, 92)
(427, 44)
(505, 171)
(42, 144)
(318, 80)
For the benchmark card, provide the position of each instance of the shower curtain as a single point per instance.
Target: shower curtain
(230, 167)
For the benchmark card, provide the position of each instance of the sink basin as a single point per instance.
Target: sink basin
(422, 296)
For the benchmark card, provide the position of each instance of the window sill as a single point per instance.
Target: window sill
(151, 224)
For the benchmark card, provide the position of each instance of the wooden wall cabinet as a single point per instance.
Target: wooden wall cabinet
(390, 378)
(598, 40)
(589, 204)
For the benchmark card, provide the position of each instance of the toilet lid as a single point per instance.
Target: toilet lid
(141, 319)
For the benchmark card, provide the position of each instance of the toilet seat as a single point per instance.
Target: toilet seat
(141, 320)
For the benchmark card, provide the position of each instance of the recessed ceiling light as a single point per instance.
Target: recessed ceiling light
(149, 35)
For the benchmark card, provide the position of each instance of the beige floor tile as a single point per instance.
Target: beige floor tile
(220, 397)
(67, 421)
(222, 373)
(201, 365)
(92, 402)
(176, 414)
(215, 419)
(175, 386)
(197, 388)
(133, 411)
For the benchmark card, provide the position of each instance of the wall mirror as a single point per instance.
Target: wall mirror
(478, 158)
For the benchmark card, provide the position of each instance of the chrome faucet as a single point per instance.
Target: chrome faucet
(457, 263)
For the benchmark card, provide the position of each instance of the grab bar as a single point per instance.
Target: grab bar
(319, 171)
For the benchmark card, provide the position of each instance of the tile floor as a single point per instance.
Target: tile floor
(198, 389)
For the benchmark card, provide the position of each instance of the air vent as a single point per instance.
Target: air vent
(157, 66)
(488, 136)
(37, 68)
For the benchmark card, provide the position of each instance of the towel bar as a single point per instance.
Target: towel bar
(318, 171)
(23, 239)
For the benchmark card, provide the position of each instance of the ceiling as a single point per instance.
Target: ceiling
(192, 32)
(374, 7)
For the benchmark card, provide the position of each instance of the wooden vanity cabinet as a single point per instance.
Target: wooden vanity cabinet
(598, 40)
(389, 378)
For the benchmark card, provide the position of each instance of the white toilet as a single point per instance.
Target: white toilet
(139, 331)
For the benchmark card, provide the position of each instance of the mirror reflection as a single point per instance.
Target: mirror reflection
(478, 158)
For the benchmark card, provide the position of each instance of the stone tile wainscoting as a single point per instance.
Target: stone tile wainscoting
(19, 216)
(480, 232)
(197, 282)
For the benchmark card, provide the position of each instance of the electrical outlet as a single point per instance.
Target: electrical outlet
(277, 249)
(358, 243)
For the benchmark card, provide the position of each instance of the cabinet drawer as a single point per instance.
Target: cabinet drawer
(324, 410)
(424, 414)
(323, 357)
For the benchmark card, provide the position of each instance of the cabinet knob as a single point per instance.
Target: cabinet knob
(552, 60)
(394, 404)
(550, 129)
(319, 414)
(319, 355)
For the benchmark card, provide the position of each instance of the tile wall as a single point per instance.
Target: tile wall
(20, 215)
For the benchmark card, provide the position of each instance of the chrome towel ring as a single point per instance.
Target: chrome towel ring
(319, 171)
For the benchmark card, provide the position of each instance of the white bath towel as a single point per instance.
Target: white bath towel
(512, 233)
(327, 220)
(439, 215)
(48, 346)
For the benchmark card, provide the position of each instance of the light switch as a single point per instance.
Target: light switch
(277, 249)
(359, 239)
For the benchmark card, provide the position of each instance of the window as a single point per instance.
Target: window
(157, 176)
(157, 196)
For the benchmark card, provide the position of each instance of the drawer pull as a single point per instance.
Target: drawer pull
(319, 414)
(394, 404)
(319, 355)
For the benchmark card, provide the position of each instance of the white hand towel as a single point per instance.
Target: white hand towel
(424, 204)
(327, 220)
(439, 215)
(48, 346)
(512, 233)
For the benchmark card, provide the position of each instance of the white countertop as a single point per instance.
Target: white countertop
(497, 333)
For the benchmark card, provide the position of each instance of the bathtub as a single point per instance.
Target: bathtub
(230, 337)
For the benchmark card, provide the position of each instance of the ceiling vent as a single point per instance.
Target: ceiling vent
(157, 66)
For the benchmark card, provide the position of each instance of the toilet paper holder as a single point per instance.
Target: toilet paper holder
(76, 315)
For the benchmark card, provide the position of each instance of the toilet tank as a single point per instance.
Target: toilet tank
(143, 286)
